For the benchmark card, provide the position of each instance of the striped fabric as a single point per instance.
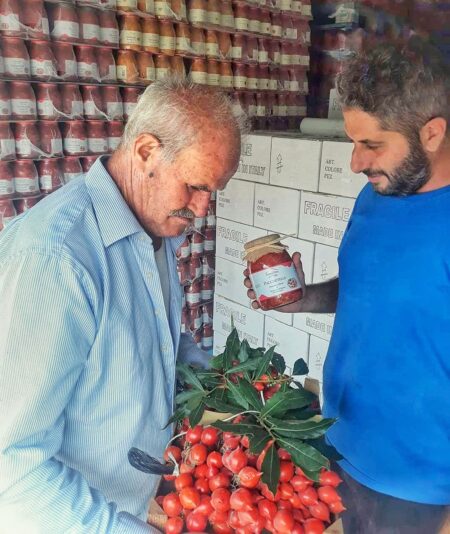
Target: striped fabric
(87, 362)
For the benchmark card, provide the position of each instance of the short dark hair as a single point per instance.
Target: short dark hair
(402, 86)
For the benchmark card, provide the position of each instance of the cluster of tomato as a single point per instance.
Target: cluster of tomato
(219, 487)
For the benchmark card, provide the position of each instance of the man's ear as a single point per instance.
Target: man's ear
(145, 148)
(433, 133)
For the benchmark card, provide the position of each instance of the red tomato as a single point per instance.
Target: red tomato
(248, 477)
(186, 468)
(198, 454)
(308, 496)
(267, 509)
(283, 504)
(205, 507)
(189, 498)
(211, 471)
(245, 442)
(221, 480)
(241, 499)
(284, 455)
(194, 435)
(171, 505)
(259, 386)
(313, 526)
(230, 440)
(233, 519)
(174, 451)
(328, 494)
(202, 485)
(201, 471)
(248, 517)
(222, 528)
(286, 490)
(300, 483)
(217, 518)
(297, 529)
(283, 521)
(209, 436)
(329, 478)
(174, 525)
(320, 511)
(286, 471)
(196, 522)
(183, 481)
(296, 501)
(214, 459)
(236, 460)
(336, 507)
(220, 499)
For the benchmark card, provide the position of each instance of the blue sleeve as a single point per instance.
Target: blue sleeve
(188, 352)
(47, 326)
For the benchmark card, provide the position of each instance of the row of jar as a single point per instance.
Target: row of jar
(198, 321)
(267, 105)
(199, 292)
(203, 337)
(49, 101)
(197, 267)
(45, 139)
(34, 19)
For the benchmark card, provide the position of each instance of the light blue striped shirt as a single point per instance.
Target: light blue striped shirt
(87, 362)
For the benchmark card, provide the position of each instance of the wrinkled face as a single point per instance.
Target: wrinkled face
(393, 164)
(166, 196)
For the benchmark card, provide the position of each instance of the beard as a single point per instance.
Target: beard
(409, 176)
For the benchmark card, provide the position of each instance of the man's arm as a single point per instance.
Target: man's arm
(188, 352)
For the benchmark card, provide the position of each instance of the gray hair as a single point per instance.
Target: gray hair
(401, 87)
(175, 109)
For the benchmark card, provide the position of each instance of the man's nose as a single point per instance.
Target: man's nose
(199, 203)
(361, 160)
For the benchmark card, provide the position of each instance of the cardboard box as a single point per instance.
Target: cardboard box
(219, 341)
(295, 163)
(323, 218)
(231, 238)
(236, 201)
(254, 163)
(230, 282)
(318, 349)
(336, 177)
(276, 209)
(248, 322)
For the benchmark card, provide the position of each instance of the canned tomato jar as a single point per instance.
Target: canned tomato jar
(272, 272)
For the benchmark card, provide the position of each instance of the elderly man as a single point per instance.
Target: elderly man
(90, 318)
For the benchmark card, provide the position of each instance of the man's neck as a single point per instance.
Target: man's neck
(440, 171)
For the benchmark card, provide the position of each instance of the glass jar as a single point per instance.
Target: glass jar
(213, 73)
(23, 101)
(35, 18)
(114, 132)
(66, 62)
(183, 39)
(213, 10)
(238, 47)
(179, 10)
(74, 138)
(43, 64)
(241, 17)
(106, 65)
(130, 32)
(130, 97)
(150, 36)
(147, 6)
(16, 58)
(177, 66)
(263, 78)
(112, 102)
(26, 179)
(207, 289)
(126, 67)
(239, 76)
(198, 41)
(183, 252)
(109, 28)
(263, 51)
(226, 15)
(92, 102)
(87, 64)
(252, 48)
(226, 75)
(5, 102)
(254, 22)
(163, 9)
(224, 40)
(6, 181)
(27, 140)
(276, 28)
(7, 142)
(162, 66)
(197, 12)
(9, 18)
(50, 175)
(146, 67)
(64, 22)
(96, 137)
(71, 168)
(48, 101)
(167, 38)
(7, 212)
(272, 272)
(212, 45)
(275, 52)
(266, 23)
(198, 73)
(89, 25)
(71, 101)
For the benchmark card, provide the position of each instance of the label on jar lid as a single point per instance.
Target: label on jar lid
(214, 17)
(183, 44)
(275, 281)
(9, 22)
(66, 28)
(97, 144)
(114, 110)
(167, 43)
(198, 77)
(113, 142)
(16, 66)
(198, 16)
(227, 21)
(7, 148)
(241, 23)
(43, 68)
(88, 70)
(150, 40)
(212, 49)
(56, 146)
(150, 74)
(91, 31)
(26, 185)
(72, 145)
(109, 35)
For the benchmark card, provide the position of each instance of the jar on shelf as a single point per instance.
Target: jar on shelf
(92, 102)
(179, 10)
(71, 101)
(7, 142)
(106, 65)
(208, 265)
(250, 104)
(163, 9)
(197, 12)
(126, 5)
(126, 67)
(266, 23)
(282, 105)
(285, 5)
(27, 140)
(88, 161)
(74, 138)
(209, 243)
(252, 77)
(87, 65)
(114, 132)
(199, 223)
(241, 17)
(198, 73)
(71, 168)
(89, 25)
(5, 102)
(183, 252)
(289, 31)
(66, 62)
(263, 51)
(194, 318)
(10, 18)
(6, 181)
(112, 102)
(146, 67)
(286, 54)
(183, 39)
(26, 179)
(48, 100)
(130, 97)
(109, 28)
(263, 78)
(2, 64)
(177, 66)
(226, 75)
(50, 138)
(252, 48)
(7, 212)
(207, 289)
(96, 137)
(213, 10)
(50, 175)
(43, 64)
(207, 311)
(261, 110)
(196, 245)
(226, 15)
(146, 6)
(212, 45)
(130, 32)
(162, 66)
(64, 22)
(276, 28)
(207, 337)
(239, 76)
(224, 40)
(150, 36)
(166, 38)
(213, 73)
(35, 19)
(193, 293)
(275, 52)
(254, 21)
(198, 43)
(238, 47)
(23, 101)
(15, 57)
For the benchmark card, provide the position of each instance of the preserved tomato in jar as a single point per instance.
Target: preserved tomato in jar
(7, 142)
(126, 67)
(146, 67)
(42, 61)
(130, 36)
(88, 161)
(74, 138)
(71, 168)
(92, 102)
(34, 18)
(130, 97)
(96, 137)
(150, 35)
(89, 25)
(50, 175)
(65, 24)
(66, 61)
(27, 140)
(71, 101)
(109, 28)
(114, 131)
(25, 203)
(106, 65)
(87, 64)
(50, 138)
(9, 18)
(272, 272)
(26, 180)
(6, 180)
(5, 102)
(112, 102)
(16, 58)
(7, 212)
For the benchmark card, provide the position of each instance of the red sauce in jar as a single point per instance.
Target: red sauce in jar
(71, 101)
(106, 65)
(87, 64)
(26, 180)
(74, 138)
(87, 162)
(92, 102)
(27, 140)
(66, 61)
(7, 142)
(34, 17)
(65, 25)
(9, 18)
(114, 132)
(272, 272)
(48, 101)
(109, 28)
(5, 102)
(6, 180)
(7, 212)
(24, 204)
(96, 137)
(71, 167)
(16, 58)
(43, 63)
(130, 96)
(89, 25)
(50, 175)
(50, 138)
(112, 102)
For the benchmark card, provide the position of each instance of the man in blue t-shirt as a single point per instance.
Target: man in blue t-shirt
(387, 372)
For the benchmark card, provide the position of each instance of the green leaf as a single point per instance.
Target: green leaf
(279, 363)
(193, 402)
(312, 475)
(245, 366)
(301, 415)
(178, 415)
(258, 441)
(271, 469)
(249, 393)
(308, 429)
(327, 450)
(189, 376)
(208, 378)
(283, 401)
(244, 351)
(244, 429)
(232, 347)
(264, 363)
(300, 367)
(221, 406)
(237, 395)
(216, 362)
(302, 454)
(187, 395)
(196, 414)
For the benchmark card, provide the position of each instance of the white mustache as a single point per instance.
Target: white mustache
(182, 213)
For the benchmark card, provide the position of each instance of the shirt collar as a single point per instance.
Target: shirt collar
(115, 219)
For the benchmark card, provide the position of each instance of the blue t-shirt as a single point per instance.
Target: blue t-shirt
(387, 372)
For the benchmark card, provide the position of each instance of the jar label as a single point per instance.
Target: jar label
(241, 23)
(192, 298)
(113, 142)
(213, 79)
(132, 4)
(97, 144)
(7, 148)
(282, 110)
(209, 245)
(5, 108)
(266, 27)
(212, 49)
(214, 17)
(252, 110)
(296, 5)
(56, 146)
(151, 40)
(275, 110)
(198, 16)
(109, 35)
(77, 108)
(260, 111)
(227, 21)
(43, 68)
(183, 44)
(273, 85)
(277, 31)
(240, 82)
(149, 6)
(275, 281)
(236, 52)
(91, 32)
(198, 47)
(306, 10)
(88, 70)
(70, 68)
(167, 43)
(16, 66)
(111, 75)
(304, 61)
(207, 294)
(263, 56)
(285, 5)
(197, 248)
(68, 176)
(286, 59)
(130, 37)
(161, 72)
(65, 28)
(128, 107)
(90, 109)
(73, 145)
(45, 108)
(207, 342)
(6, 187)
(210, 220)
(9, 22)
(45, 182)
(226, 81)
(150, 74)
(45, 26)
(263, 84)
(277, 57)
(121, 71)
(254, 26)
(23, 106)
(291, 111)
(198, 77)
(162, 9)
(252, 83)
(294, 86)
(114, 110)
(26, 185)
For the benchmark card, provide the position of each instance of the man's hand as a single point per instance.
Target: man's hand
(294, 307)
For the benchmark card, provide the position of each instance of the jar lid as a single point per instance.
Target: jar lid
(256, 248)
